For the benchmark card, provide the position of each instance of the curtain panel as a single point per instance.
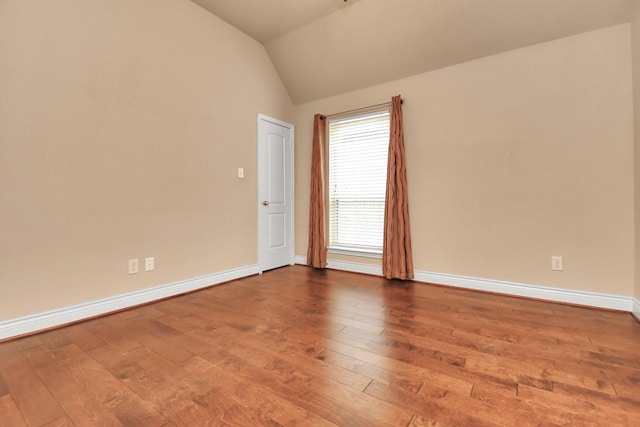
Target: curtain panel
(317, 245)
(397, 260)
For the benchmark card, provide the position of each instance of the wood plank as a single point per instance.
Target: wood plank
(3, 387)
(31, 396)
(610, 405)
(388, 372)
(10, 415)
(269, 405)
(575, 410)
(80, 336)
(55, 338)
(73, 397)
(298, 354)
(427, 366)
(427, 405)
(147, 374)
(332, 401)
(128, 407)
(106, 329)
(60, 422)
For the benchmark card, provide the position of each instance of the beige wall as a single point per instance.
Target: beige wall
(635, 46)
(122, 124)
(514, 158)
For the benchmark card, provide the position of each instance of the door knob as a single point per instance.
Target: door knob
(265, 203)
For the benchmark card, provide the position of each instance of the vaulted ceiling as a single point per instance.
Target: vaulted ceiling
(327, 47)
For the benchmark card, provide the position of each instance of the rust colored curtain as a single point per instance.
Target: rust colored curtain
(397, 262)
(317, 246)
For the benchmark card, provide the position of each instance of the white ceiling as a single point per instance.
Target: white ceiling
(264, 20)
(327, 47)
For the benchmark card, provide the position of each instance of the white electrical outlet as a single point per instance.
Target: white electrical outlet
(240, 172)
(133, 266)
(556, 263)
(149, 264)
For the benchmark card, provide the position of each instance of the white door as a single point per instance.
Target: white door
(275, 193)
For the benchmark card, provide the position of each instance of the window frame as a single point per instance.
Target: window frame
(360, 251)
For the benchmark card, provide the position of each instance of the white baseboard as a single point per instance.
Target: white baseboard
(636, 309)
(49, 319)
(354, 267)
(571, 296)
(591, 299)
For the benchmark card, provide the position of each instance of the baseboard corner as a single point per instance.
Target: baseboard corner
(636, 309)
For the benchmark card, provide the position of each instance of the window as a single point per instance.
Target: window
(358, 150)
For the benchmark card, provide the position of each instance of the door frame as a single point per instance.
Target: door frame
(262, 118)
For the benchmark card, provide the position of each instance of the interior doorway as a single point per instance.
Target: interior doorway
(275, 193)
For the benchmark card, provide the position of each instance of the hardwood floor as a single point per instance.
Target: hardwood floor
(296, 346)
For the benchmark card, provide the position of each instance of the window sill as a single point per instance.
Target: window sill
(365, 253)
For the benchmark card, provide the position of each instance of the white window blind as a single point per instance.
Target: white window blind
(358, 150)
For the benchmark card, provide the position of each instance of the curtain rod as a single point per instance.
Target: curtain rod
(362, 108)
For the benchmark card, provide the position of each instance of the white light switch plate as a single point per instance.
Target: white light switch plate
(556, 263)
